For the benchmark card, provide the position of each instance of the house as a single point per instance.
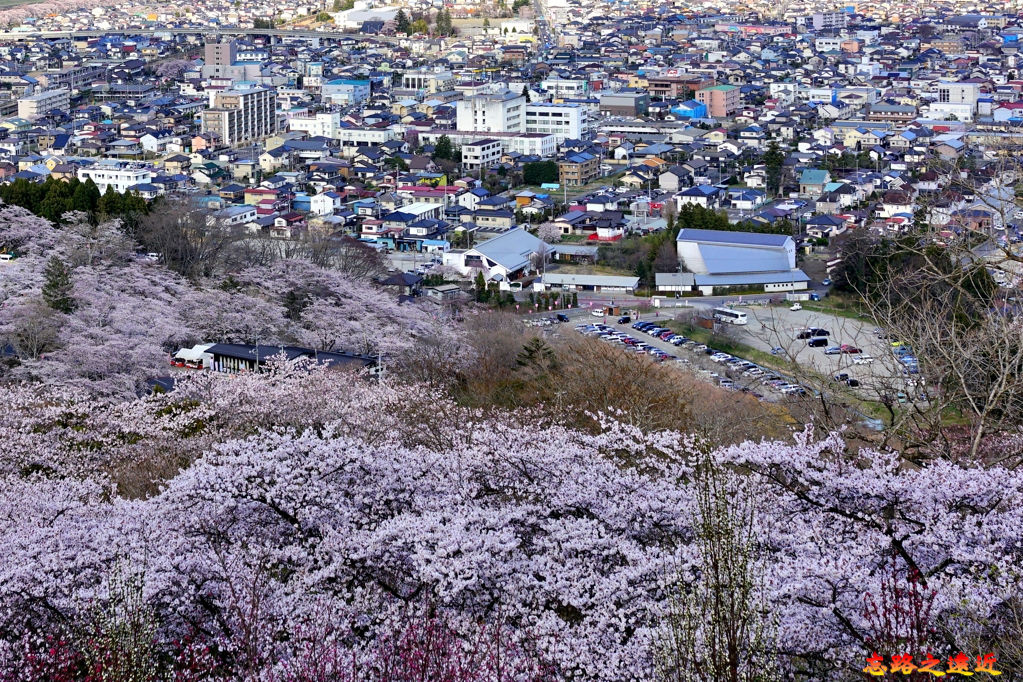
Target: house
(673, 179)
(443, 293)
(505, 257)
(706, 196)
(812, 182)
(824, 226)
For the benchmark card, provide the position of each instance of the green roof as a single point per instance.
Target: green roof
(724, 88)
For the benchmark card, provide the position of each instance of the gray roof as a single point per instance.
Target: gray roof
(674, 279)
(512, 249)
(591, 280)
(727, 259)
(576, 249)
(736, 238)
(749, 278)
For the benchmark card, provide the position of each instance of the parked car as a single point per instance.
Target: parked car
(597, 313)
(624, 319)
(846, 348)
(562, 317)
(833, 350)
(863, 360)
(817, 343)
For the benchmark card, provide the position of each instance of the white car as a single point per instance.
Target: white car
(597, 313)
(862, 360)
(795, 306)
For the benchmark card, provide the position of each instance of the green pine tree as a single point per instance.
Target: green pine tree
(57, 288)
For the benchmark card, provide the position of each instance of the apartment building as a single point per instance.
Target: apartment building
(318, 125)
(675, 86)
(118, 177)
(578, 169)
(564, 121)
(241, 115)
(481, 154)
(720, 100)
(566, 87)
(37, 105)
(498, 112)
(430, 82)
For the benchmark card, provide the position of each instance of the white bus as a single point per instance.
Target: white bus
(730, 316)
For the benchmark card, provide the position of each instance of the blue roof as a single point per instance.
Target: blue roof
(813, 176)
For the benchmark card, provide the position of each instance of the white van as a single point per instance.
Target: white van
(6, 257)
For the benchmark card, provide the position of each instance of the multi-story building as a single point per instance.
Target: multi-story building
(955, 99)
(218, 58)
(241, 115)
(121, 178)
(624, 103)
(37, 105)
(345, 91)
(543, 145)
(481, 154)
(566, 87)
(430, 82)
(578, 169)
(721, 100)
(564, 121)
(824, 21)
(673, 86)
(498, 112)
(317, 125)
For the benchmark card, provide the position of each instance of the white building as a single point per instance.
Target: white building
(345, 91)
(566, 87)
(492, 113)
(241, 115)
(318, 125)
(37, 105)
(120, 178)
(429, 82)
(954, 99)
(543, 145)
(564, 121)
(481, 154)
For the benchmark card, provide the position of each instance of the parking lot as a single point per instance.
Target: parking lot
(662, 345)
(875, 371)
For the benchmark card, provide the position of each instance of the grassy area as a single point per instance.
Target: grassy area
(732, 347)
(839, 304)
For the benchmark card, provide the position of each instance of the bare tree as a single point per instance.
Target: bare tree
(716, 628)
(189, 240)
(32, 328)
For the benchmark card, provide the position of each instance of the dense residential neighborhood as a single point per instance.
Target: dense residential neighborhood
(530, 341)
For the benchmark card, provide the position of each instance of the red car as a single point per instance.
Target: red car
(846, 348)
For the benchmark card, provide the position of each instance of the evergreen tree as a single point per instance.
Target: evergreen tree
(110, 202)
(480, 286)
(443, 149)
(525, 93)
(57, 288)
(402, 23)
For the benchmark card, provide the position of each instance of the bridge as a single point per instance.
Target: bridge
(273, 33)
